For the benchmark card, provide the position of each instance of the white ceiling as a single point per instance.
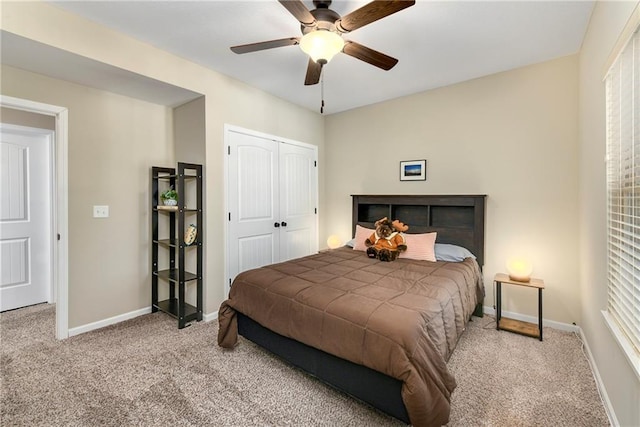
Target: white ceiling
(438, 43)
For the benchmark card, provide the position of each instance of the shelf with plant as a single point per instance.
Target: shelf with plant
(169, 199)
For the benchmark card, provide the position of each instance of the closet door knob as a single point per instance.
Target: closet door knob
(277, 224)
(284, 224)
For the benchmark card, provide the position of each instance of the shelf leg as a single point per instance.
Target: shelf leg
(181, 307)
(498, 304)
(540, 311)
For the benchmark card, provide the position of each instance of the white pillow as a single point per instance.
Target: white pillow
(447, 252)
(362, 234)
(420, 247)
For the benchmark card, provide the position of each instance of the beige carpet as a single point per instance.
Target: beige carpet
(147, 372)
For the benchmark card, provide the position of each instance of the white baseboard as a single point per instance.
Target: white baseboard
(531, 319)
(596, 376)
(210, 317)
(126, 316)
(108, 322)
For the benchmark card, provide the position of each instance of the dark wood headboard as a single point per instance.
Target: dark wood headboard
(458, 220)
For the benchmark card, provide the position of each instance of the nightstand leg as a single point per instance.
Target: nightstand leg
(498, 304)
(540, 311)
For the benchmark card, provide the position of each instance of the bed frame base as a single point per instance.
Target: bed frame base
(378, 390)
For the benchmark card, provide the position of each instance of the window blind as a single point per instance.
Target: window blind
(623, 189)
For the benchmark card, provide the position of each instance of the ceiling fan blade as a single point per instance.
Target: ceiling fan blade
(371, 12)
(369, 55)
(253, 47)
(313, 73)
(299, 11)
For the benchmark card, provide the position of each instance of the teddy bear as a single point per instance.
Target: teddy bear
(387, 241)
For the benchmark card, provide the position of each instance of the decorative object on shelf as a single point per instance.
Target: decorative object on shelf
(334, 242)
(413, 170)
(169, 197)
(190, 235)
(519, 269)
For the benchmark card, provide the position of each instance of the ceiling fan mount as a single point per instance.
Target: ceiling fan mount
(325, 18)
(322, 4)
(322, 30)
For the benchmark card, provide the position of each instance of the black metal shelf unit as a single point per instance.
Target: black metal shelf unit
(187, 180)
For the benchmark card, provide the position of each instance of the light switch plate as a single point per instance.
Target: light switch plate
(101, 211)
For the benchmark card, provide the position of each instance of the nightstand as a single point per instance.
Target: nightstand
(512, 325)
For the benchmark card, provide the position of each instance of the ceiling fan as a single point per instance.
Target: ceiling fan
(322, 30)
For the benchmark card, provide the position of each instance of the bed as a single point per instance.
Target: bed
(379, 331)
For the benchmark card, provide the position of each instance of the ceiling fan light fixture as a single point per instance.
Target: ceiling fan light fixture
(321, 45)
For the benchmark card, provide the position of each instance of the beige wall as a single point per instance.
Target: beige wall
(622, 384)
(189, 129)
(226, 101)
(112, 141)
(511, 136)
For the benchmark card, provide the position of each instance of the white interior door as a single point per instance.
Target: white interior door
(298, 201)
(25, 216)
(253, 199)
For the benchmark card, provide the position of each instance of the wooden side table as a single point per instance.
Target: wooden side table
(512, 325)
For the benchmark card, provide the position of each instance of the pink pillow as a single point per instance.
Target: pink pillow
(362, 234)
(420, 247)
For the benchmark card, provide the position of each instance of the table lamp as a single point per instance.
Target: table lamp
(334, 241)
(519, 269)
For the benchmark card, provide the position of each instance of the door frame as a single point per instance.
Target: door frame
(59, 203)
(232, 128)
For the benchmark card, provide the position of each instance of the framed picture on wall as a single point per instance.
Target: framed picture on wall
(413, 170)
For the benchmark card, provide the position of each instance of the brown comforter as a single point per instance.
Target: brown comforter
(401, 318)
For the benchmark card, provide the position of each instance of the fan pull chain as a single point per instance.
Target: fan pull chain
(321, 93)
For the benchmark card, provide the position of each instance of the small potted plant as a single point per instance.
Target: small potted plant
(169, 197)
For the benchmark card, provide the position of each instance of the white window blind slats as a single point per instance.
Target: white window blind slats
(623, 310)
(623, 290)
(623, 190)
(624, 277)
(628, 324)
(623, 238)
(626, 303)
(625, 259)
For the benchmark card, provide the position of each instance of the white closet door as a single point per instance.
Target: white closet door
(253, 199)
(298, 201)
(272, 193)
